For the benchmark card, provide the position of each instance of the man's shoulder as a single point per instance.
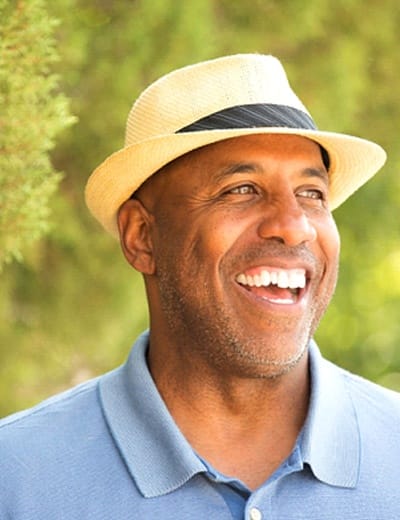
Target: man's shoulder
(61, 460)
(371, 398)
(64, 429)
(61, 412)
(365, 387)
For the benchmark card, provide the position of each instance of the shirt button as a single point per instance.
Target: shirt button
(255, 514)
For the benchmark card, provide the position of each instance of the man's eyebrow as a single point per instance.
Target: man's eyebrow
(321, 173)
(251, 167)
(240, 167)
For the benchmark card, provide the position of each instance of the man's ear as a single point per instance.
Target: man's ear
(134, 224)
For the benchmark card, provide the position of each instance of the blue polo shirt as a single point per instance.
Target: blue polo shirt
(109, 449)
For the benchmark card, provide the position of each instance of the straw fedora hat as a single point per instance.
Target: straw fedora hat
(211, 101)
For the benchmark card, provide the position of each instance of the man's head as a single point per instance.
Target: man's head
(224, 195)
(238, 247)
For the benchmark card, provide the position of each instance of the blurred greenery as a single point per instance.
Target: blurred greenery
(72, 307)
(32, 113)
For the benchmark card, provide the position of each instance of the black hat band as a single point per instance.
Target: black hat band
(253, 116)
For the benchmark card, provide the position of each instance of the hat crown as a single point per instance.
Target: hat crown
(188, 94)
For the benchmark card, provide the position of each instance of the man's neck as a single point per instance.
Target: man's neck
(244, 427)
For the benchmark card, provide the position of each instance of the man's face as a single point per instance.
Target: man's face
(245, 250)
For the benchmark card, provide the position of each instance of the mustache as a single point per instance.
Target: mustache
(275, 249)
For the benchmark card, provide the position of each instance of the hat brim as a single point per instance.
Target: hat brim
(352, 162)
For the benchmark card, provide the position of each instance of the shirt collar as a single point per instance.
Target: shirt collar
(330, 443)
(143, 429)
(148, 437)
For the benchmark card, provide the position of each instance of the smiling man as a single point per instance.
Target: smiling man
(225, 409)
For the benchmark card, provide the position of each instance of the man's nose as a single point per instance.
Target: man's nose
(287, 222)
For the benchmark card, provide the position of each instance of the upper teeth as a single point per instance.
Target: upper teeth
(283, 278)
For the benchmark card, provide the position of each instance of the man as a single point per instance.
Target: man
(222, 199)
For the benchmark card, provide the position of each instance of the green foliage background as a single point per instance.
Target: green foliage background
(72, 309)
(32, 113)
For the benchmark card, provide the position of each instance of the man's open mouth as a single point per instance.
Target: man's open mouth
(279, 286)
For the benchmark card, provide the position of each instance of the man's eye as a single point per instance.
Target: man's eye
(244, 189)
(312, 194)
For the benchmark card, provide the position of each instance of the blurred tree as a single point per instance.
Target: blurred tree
(32, 113)
(74, 307)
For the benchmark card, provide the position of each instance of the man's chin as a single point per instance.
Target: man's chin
(253, 359)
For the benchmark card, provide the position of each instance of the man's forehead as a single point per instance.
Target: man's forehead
(219, 160)
(232, 154)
